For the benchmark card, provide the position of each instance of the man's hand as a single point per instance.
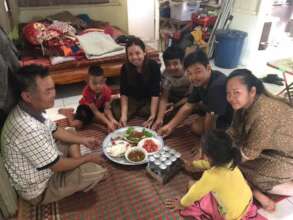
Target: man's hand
(170, 107)
(157, 124)
(165, 131)
(68, 163)
(95, 157)
(91, 142)
(148, 123)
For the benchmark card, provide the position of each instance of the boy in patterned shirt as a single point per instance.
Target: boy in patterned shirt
(175, 86)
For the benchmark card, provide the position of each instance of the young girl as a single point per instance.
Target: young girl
(139, 85)
(222, 192)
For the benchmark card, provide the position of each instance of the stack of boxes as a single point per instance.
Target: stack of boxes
(165, 164)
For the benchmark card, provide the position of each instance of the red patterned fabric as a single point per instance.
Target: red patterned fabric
(62, 27)
(36, 33)
(55, 39)
(207, 208)
(89, 97)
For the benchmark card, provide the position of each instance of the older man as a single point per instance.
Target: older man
(44, 161)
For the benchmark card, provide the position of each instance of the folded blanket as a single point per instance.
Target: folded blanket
(110, 54)
(97, 44)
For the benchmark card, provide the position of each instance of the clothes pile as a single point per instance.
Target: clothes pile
(64, 37)
(58, 37)
(97, 44)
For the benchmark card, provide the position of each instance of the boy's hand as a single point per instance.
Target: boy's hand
(123, 121)
(91, 142)
(157, 124)
(148, 123)
(111, 127)
(116, 123)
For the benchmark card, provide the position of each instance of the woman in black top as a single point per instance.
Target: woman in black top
(139, 85)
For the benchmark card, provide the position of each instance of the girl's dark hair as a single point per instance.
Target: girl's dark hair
(95, 70)
(131, 69)
(217, 145)
(199, 56)
(173, 53)
(250, 80)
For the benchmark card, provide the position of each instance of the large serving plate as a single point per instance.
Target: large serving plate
(121, 132)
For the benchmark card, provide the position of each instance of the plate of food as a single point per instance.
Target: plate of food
(119, 142)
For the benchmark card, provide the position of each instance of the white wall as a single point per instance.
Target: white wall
(137, 17)
(141, 18)
(115, 12)
(250, 20)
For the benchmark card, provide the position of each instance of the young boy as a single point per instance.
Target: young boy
(175, 86)
(208, 97)
(95, 102)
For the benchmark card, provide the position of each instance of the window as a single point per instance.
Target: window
(37, 3)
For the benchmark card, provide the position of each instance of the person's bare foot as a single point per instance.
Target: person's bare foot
(266, 203)
(68, 112)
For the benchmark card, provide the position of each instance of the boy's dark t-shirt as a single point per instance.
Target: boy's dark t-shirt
(214, 99)
(137, 85)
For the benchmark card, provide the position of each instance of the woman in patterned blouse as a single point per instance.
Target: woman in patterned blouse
(262, 127)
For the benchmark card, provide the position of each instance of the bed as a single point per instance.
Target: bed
(46, 39)
(76, 71)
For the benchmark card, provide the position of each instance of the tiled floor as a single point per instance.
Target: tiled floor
(284, 211)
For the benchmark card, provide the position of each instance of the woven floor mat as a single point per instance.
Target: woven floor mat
(129, 193)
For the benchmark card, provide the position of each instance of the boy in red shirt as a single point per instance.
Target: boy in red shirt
(95, 102)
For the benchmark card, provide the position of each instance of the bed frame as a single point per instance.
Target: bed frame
(76, 71)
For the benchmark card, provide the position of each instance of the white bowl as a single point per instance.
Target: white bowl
(136, 149)
(156, 141)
